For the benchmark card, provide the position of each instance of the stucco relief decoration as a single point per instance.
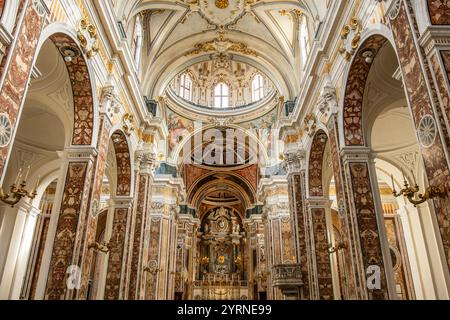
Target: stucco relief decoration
(39, 8)
(427, 131)
(87, 35)
(5, 130)
(351, 38)
(294, 161)
(222, 45)
(395, 9)
(327, 103)
(128, 124)
(310, 122)
(222, 12)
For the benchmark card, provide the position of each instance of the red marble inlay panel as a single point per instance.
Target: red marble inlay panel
(82, 91)
(91, 226)
(19, 70)
(136, 261)
(342, 196)
(298, 185)
(62, 254)
(367, 225)
(323, 261)
(421, 104)
(354, 92)
(316, 164)
(2, 5)
(439, 11)
(153, 255)
(116, 255)
(123, 161)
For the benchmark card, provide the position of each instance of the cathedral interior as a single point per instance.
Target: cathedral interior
(224, 150)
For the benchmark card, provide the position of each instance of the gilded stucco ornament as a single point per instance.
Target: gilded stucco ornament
(128, 123)
(222, 45)
(351, 38)
(87, 35)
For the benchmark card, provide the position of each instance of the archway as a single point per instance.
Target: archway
(374, 97)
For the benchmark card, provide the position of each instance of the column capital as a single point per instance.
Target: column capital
(435, 37)
(319, 202)
(327, 103)
(146, 161)
(78, 153)
(295, 161)
(357, 154)
(109, 102)
(122, 202)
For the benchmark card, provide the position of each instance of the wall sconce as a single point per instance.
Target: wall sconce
(338, 247)
(18, 191)
(100, 247)
(410, 192)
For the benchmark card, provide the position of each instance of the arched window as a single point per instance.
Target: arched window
(137, 41)
(186, 87)
(304, 38)
(221, 96)
(257, 88)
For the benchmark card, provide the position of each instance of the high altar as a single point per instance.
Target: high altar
(221, 273)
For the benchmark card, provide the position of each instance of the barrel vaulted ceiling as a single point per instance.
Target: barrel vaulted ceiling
(263, 34)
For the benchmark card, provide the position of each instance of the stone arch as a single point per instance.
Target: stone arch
(315, 164)
(81, 79)
(81, 87)
(353, 99)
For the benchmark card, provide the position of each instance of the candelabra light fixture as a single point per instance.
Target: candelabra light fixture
(338, 247)
(412, 192)
(18, 190)
(100, 247)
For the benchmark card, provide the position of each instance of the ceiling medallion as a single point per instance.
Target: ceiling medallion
(222, 4)
(222, 12)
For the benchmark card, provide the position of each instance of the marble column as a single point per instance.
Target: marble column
(257, 269)
(296, 167)
(118, 249)
(64, 272)
(279, 237)
(425, 78)
(160, 241)
(16, 72)
(185, 253)
(322, 284)
(18, 253)
(145, 166)
(373, 263)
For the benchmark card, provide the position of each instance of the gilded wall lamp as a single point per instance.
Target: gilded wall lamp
(18, 190)
(410, 192)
